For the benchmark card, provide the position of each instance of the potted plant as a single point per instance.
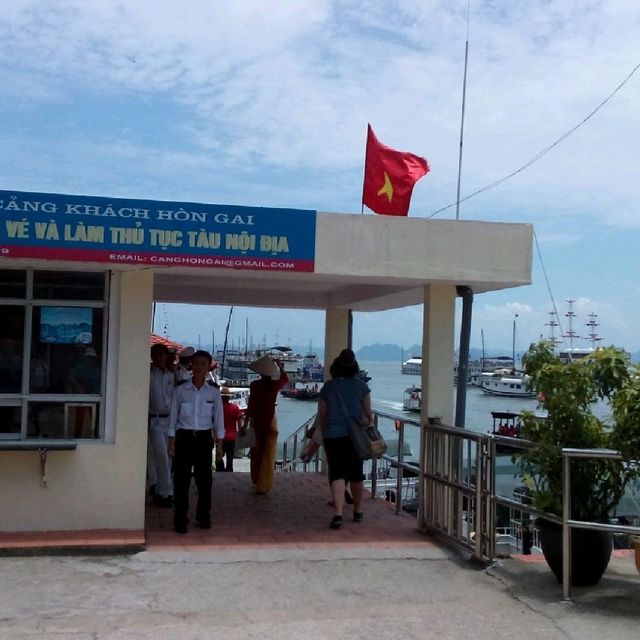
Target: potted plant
(567, 393)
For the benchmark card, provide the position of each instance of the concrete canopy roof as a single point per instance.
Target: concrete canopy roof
(369, 263)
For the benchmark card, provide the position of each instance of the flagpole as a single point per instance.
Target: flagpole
(364, 177)
(464, 95)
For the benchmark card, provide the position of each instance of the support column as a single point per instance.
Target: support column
(437, 385)
(437, 352)
(336, 335)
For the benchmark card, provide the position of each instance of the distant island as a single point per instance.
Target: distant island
(378, 352)
(395, 353)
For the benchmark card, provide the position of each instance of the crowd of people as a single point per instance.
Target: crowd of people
(191, 417)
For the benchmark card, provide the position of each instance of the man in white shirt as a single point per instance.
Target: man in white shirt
(196, 422)
(160, 390)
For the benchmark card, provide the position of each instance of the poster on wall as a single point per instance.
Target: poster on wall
(66, 325)
(155, 233)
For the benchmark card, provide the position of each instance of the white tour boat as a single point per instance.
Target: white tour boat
(239, 396)
(412, 366)
(506, 383)
(412, 400)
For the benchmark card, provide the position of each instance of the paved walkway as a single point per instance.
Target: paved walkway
(295, 514)
(271, 568)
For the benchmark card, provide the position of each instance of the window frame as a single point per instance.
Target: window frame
(25, 397)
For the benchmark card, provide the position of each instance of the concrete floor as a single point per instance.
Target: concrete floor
(271, 568)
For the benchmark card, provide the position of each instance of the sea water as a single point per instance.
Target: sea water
(387, 386)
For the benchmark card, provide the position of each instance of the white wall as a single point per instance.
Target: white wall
(486, 255)
(99, 485)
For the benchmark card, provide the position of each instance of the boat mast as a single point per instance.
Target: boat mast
(226, 340)
(592, 335)
(513, 345)
(552, 324)
(571, 334)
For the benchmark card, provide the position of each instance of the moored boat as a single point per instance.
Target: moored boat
(312, 369)
(303, 391)
(412, 366)
(239, 396)
(506, 423)
(475, 368)
(506, 383)
(235, 369)
(412, 400)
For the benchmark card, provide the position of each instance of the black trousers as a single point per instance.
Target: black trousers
(193, 450)
(229, 451)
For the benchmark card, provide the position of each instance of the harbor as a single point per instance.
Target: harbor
(406, 181)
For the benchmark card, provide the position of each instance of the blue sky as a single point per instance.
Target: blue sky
(267, 103)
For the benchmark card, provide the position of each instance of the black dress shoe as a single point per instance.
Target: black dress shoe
(203, 524)
(180, 528)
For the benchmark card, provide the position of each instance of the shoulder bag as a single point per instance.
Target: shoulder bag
(246, 438)
(365, 437)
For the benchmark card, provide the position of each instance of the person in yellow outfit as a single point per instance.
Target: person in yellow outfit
(261, 412)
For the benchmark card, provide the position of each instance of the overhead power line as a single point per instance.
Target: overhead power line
(542, 153)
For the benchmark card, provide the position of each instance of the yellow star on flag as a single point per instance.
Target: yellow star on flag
(387, 188)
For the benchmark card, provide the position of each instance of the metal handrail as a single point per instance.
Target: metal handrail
(482, 490)
(568, 523)
(398, 462)
(565, 521)
(517, 444)
(292, 442)
(447, 484)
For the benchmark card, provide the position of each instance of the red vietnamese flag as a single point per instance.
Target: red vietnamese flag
(389, 176)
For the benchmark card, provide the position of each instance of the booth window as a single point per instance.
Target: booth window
(52, 345)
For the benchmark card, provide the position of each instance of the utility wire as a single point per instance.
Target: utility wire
(546, 279)
(544, 151)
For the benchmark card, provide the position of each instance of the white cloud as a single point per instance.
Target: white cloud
(267, 103)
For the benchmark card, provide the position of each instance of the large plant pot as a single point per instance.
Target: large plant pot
(590, 552)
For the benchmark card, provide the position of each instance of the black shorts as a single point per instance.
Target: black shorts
(343, 462)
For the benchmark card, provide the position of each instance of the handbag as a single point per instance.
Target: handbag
(365, 437)
(246, 438)
(309, 449)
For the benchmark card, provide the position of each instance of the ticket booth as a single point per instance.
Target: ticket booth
(78, 279)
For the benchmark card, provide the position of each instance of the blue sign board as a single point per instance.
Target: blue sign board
(157, 233)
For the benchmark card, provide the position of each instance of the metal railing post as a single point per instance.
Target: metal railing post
(566, 529)
(492, 498)
(400, 472)
(479, 520)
